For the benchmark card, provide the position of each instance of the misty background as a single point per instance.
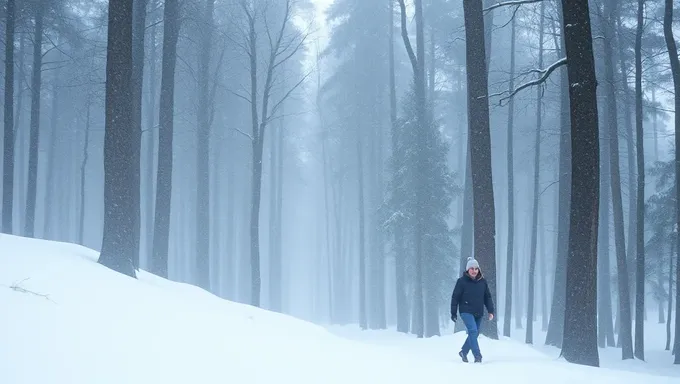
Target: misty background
(320, 165)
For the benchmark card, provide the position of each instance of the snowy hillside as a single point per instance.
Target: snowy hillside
(67, 320)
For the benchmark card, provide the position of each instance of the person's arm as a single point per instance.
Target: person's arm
(455, 298)
(488, 300)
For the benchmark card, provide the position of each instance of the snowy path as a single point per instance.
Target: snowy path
(68, 320)
(512, 355)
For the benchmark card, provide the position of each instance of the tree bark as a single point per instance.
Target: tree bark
(361, 215)
(204, 114)
(118, 245)
(151, 142)
(138, 32)
(275, 200)
(161, 237)
(604, 317)
(543, 287)
(399, 251)
(555, 333)
(480, 154)
(36, 84)
(670, 297)
(640, 236)
(8, 144)
(83, 167)
(630, 149)
(625, 334)
(675, 71)
(659, 266)
(418, 65)
(537, 179)
(52, 160)
(511, 194)
(580, 326)
(20, 152)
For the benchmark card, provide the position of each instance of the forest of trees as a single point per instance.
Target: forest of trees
(341, 166)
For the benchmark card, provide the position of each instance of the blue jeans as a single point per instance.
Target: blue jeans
(472, 324)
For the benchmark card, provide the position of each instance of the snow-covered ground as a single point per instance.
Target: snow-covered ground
(67, 320)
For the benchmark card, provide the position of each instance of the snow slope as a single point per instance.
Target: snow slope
(66, 319)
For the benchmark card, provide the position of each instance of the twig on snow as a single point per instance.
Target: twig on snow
(18, 288)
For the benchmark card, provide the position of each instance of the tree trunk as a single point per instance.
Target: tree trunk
(52, 160)
(259, 128)
(276, 276)
(604, 316)
(341, 291)
(659, 266)
(511, 194)
(537, 179)
(36, 84)
(630, 149)
(83, 167)
(256, 175)
(675, 70)
(118, 245)
(555, 333)
(399, 251)
(203, 151)
(421, 115)
(161, 237)
(138, 32)
(670, 297)
(20, 152)
(8, 144)
(377, 305)
(640, 236)
(418, 65)
(488, 33)
(363, 315)
(231, 260)
(275, 200)
(256, 193)
(151, 142)
(467, 229)
(542, 273)
(580, 325)
(619, 237)
(480, 154)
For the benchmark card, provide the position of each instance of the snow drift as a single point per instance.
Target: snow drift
(68, 320)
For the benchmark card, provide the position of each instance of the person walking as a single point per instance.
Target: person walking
(470, 295)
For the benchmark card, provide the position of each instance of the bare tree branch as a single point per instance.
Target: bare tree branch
(268, 31)
(270, 72)
(509, 3)
(244, 36)
(293, 52)
(18, 288)
(244, 134)
(514, 14)
(238, 95)
(545, 74)
(283, 99)
(298, 37)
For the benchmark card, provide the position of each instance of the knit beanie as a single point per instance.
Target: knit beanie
(471, 263)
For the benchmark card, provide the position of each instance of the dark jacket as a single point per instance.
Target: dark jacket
(471, 295)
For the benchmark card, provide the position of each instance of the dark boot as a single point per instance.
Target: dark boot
(478, 359)
(462, 356)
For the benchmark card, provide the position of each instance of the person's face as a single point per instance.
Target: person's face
(473, 272)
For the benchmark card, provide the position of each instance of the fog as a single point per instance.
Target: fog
(311, 157)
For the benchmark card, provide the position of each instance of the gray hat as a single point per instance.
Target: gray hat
(471, 263)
